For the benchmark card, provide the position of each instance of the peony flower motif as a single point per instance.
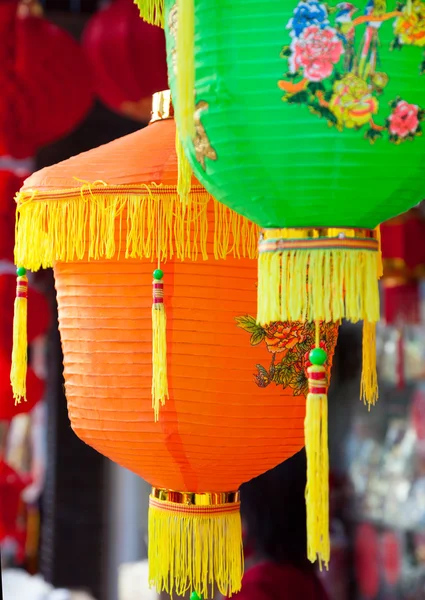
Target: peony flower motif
(316, 51)
(352, 102)
(404, 120)
(308, 13)
(410, 28)
(282, 337)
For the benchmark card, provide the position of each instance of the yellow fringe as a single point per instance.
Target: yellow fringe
(18, 372)
(379, 257)
(184, 179)
(159, 358)
(326, 285)
(369, 381)
(195, 552)
(317, 490)
(151, 11)
(185, 77)
(97, 223)
(233, 234)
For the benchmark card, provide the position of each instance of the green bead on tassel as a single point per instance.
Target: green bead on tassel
(195, 596)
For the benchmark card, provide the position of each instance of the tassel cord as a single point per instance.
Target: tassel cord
(316, 444)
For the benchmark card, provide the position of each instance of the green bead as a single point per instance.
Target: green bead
(318, 356)
(158, 274)
(21, 271)
(195, 596)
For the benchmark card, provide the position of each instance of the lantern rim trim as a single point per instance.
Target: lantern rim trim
(192, 499)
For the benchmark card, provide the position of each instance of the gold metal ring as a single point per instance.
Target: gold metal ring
(299, 233)
(162, 106)
(195, 499)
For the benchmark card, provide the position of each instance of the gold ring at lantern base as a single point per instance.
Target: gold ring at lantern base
(162, 106)
(193, 501)
(298, 238)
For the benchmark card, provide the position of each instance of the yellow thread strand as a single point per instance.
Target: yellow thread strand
(317, 333)
(96, 224)
(326, 285)
(185, 78)
(379, 257)
(159, 330)
(317, 490)
(18, 372)
(152, 11)
(184, 176)
(159, 358)
(369, 380)
(195, 552)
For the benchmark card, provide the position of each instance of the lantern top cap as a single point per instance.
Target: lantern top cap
(162, 106)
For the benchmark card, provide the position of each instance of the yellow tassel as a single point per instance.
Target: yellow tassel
(195, 548)
(369, 380)
(151, 11)
(379, 257)
(185, 78)
(318, 284)
(18, 372)
(159, 345)
(95, 223)
(316, 445)
(184, 179)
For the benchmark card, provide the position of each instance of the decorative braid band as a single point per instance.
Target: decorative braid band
(22, 287)
(278, 240)
(158, 292)
(317, 381)
(192, 503)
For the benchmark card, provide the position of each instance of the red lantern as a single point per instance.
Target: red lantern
(9, 184)
(127, 57)
(12, 485)
(403, 257)
(46, 86)
(403, 253)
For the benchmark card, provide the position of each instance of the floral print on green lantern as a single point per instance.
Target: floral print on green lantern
(321, 37)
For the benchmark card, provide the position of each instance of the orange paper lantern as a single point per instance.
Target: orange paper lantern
(236, 391)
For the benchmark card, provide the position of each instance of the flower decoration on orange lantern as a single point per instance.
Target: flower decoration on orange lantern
(298, 164)
(196, 369)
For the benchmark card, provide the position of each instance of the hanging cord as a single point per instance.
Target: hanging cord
(316, 444)
(159, 331)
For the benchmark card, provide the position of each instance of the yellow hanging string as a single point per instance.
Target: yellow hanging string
(18, 371)
(380, 268)
(159, 332)
(185, 79)
(184, 174)
(369, 379)
(316, 445)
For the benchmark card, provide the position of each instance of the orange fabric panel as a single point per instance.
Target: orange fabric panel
(219, 428)
(150, 157)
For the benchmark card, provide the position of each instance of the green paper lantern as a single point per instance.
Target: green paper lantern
(308, 115)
